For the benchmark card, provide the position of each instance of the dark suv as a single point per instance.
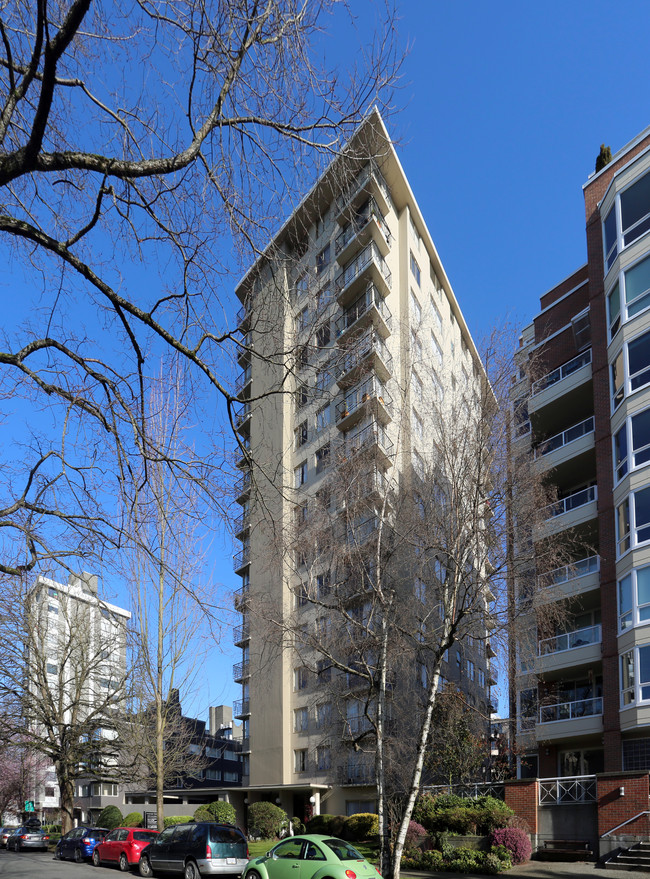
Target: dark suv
(201, 849)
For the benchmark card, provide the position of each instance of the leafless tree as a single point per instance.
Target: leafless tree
(405, 555)
(146, 150)
(63, 679)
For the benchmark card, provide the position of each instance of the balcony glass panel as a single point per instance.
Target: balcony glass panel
(361, 219)
(561, 372)
(353, 269)
(571, 710)
(571, 502)
(565, 437)
(369, 299)
(581, 568)
(570, 640)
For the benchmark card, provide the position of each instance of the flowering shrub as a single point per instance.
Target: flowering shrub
(414, 835)
(515, 840)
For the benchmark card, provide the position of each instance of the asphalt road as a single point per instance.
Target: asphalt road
(42, 865)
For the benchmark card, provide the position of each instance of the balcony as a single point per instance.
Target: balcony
(367, 267)
(492, 675)
(244, 379)
(369, 181)
(242, 522)
(365, 353)
(241, 671)
(242, 558)
(240, 597)
(244, 349)
(562, 384)
(574, 509)
(241, 708)
(364, 399)
(367, 223)
(243, 485)
(583, 717)
(243, 417)
(356, 774)
(369, 489)
(357, 726)
(242, 317)
(245, 745)
(370, 439)
(570, 649)
(574, 579)
(369, 308)
(569, 789)
(568, 444)
(241, 634)
(361, 533)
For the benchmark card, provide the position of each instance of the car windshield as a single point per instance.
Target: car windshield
(225, 834)
(141, 835)
(343, 850)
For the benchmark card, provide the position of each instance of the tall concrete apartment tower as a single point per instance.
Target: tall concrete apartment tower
(349, 322)
(583, 701)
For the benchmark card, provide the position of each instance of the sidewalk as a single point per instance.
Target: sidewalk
(536, 870)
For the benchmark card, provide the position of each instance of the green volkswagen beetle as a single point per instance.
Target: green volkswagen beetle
(313, 856)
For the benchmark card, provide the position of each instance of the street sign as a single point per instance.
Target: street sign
(29, 806)
(150, 820)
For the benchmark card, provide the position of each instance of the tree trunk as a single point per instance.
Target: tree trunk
(66, 790)
(160, 726)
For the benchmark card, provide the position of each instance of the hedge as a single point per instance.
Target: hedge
(266, 820)
(133, 819)
(110, 817)
(171, 820)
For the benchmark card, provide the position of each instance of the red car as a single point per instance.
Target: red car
(122, 846)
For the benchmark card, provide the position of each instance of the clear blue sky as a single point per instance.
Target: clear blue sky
(498, 122)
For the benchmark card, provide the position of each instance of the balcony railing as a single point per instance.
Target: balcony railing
(580, 568)
(241, 708)
(570, 789)
(244, 379)
(367, 390)
(571, 710)
(242, 414)
(371, 298)
(242, 557)
(361, 261)
(358, 223)
(243, 483)
(370, 343)
(240, 596)
(570, 640)
(370, 435)
(561, 372)
(370, 171)
(358, 534)
(572, 502)
(241, 670)
(492, 675)
(357, 774)
(567, 436)
(242, 521)
(241, 633)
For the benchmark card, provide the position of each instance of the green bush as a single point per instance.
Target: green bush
(460, 860)
(171, 820)
(361, 826)
(133, 819)
(223, 812)
(448, 812)
(110, 818)
(298, 826)
(203, 813)
(266, 820)
(333, 825)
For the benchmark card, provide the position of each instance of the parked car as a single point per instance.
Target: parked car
(314, 856)
(123, 846)
(5, 833)
(202, 849)
(28, 837)
(79, 843)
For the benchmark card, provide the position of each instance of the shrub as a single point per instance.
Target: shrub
(414, 835)
(222, 812)
(110, 817)
(491, 813)
(297, 824)
(266, 820)
(515, 840)
(360, 826)
(133, 819)
(170, 820)
(333, 825)
(203, 813)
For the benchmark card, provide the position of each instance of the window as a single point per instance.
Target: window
(527, 709)
(635, 675)
(299, 765)
(634, 598)
(437, 317)
(323, 758)
(481, 678)
(323, 628)
(633, 520)
(52, 608)
(323, 715)
(632, 444)
(302, 396)
(416, 347)
(302, 318)
(52, 668)
(323, 335)
(324, 671)
(52, 592)
(418, 465)
(635, 213)
(300, 720)
(414, 232)
(300, 474)
(323, 299)
(302, 285)
(630, 295)
(419, 505)
(415, 268)
(437, 350)
(323, 259)
(422, 675)
(323, 584)
(631, 368)
(416, 309)
(300, 678)
(420, 590)
(301, 434)
(322, 458)
(610, 238)
(323, 418)
(323, 379)
(417, 387)
(302, 595)
(470, 669)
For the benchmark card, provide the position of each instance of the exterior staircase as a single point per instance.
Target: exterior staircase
(635, 858)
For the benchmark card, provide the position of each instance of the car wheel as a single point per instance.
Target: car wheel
(77, 856)
(124, 863)
(191, 871)
(57, 854)
(253, 874)
(96, 859)
(144, 867)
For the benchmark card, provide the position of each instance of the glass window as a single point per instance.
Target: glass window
(637, 287)
(614, 309)
(638, 353)
(618, 379)
(302, 285)
(620, 453)
(323, 418)
(416, 309)
(299, 765)
(415, 269)
(640, 438)
(323, 335)
(642, 515)
(300, 719)
(301, 434)
(635, 210)
(623, 526)
(323, 758)
(302, 318)
(313, 853)
(343, 850)
(323, 259)
(611, 238)
(300, 474)
(625, 617)
(627, 678)
(299, 678)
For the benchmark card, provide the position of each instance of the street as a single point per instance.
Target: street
(42, 865)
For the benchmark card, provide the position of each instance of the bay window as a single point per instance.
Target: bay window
(635, 676)
(630, 369)
(634, 598)
(632, 444)
(633, 520)
(632, 206)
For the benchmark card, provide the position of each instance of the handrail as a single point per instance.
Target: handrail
(572, 501)
(570, 435)
(565, 573)
(561, 372)
(629, 821)
(572, 639)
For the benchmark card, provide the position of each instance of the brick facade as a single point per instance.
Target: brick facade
(615, 809)
(522, 796)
